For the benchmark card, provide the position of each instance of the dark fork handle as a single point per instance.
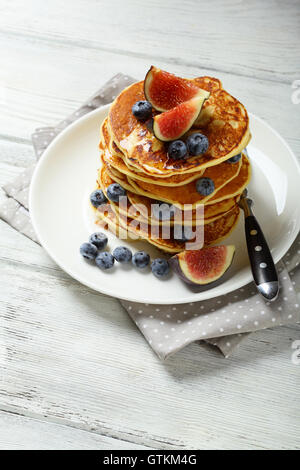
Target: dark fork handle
(262, 264)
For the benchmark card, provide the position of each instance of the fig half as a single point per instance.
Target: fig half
(172, 124)
(199, 267)
(166, 91)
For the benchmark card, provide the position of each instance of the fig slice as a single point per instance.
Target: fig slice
(165, 91)
(175, 122)
(199, 267)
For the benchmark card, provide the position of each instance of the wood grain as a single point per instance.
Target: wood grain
(74, 370)
(41, 92)
(24, 433)
(237, 37)
(77, 358)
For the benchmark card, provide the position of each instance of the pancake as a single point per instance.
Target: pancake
(221, 201)
(115, 176)
(115, 158)
(140, 207)
(222, 176)
(215, 230)
(236, 186)
(210, 213)
(213, 233)
(135, 213)
(134, 158)
(106, 218)
(140, 212)
(223, 119)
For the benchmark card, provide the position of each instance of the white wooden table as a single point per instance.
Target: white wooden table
(75, 371)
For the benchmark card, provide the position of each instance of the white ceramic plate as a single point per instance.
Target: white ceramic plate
(59, 205)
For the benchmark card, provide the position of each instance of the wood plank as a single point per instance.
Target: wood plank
(75, 357)
(24, 433)
(243, 38)
(55, 79)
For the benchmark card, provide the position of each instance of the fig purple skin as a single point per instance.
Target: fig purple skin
(201, 267)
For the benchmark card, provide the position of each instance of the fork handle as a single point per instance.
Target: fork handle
(261, 260)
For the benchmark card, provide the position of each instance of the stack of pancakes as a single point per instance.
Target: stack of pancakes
(133, 157)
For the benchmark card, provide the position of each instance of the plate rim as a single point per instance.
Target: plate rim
(192, 297)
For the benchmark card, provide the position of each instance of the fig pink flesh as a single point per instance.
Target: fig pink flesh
(165, 91)
(206, 265)
(172, 124)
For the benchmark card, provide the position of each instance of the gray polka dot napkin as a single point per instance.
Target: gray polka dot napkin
(223, 321)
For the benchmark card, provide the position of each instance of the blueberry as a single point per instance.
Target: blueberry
(142, 110)
(197, 143)
(122, 254)
(105, 260)
(141, 259)
(88, 251)
(183, 234)
(160, 267)
(177, 150)
(97, 198)
(115, 191)
(235, 159)
(205, 186)
(163, 210)
(99, 239)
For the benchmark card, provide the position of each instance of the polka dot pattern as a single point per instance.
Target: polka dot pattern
(223, 322)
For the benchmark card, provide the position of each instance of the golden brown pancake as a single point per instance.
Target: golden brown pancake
(214, 231)
(222, 176)
(114, 157)
(134, 158)
(140, 207)
(225, 189)
(210, 212)
(236, 186)
(106, 218)
(127, 228)
(223, 119)
(135, 213)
